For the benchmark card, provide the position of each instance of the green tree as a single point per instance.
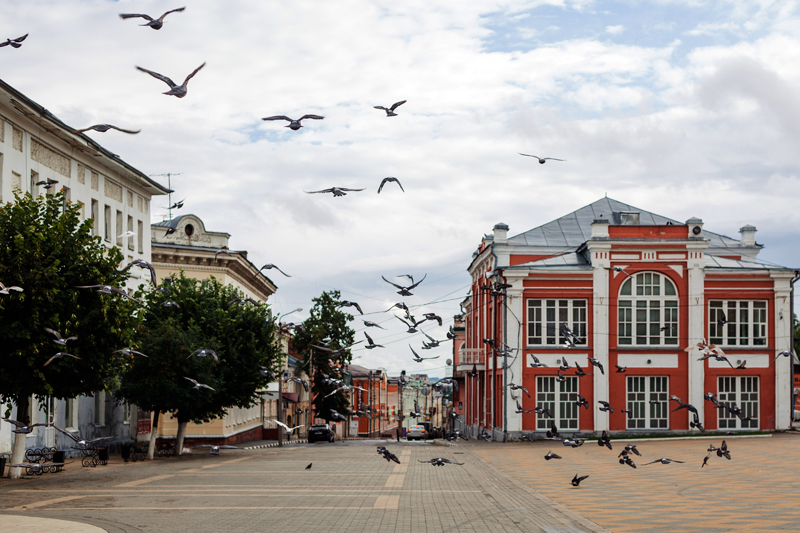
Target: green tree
(47, 250)
(242, 336)
(328, 323)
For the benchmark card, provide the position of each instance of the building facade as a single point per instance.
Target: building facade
(183, 244)
(36, 146)
(639, 295)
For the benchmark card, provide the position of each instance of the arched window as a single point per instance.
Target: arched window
(648, 311)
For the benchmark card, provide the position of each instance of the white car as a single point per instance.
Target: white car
(416, 433)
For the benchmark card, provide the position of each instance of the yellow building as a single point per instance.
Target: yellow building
(194, 250)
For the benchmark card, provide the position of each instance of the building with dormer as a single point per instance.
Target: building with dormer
(183, 244)
(638, 294)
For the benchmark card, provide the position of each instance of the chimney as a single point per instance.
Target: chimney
(748, 235)
(600, 228)
(501, 233)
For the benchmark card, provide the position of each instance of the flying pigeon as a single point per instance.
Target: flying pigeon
(385, 180)
(156, 24)
(542, 160)
(390, 111)
(174, 89)
(15, 43)
(294, 124)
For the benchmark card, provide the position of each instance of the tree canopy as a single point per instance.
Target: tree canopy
(206, 316)
(47, 250)
(329, 324)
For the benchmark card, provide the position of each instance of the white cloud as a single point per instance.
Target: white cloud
(679, 131)
(615, 30)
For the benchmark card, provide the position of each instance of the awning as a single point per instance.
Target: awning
(291, 396)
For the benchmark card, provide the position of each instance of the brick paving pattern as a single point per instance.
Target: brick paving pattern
(758, 490)
(349, 488)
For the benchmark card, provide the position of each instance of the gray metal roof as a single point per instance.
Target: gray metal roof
(715, 261)
(570, 261)
(172, 223)
(574, 229)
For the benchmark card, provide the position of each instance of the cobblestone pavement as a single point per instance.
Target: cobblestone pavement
(758, 490)
(349, 488)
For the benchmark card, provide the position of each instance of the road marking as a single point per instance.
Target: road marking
(145, 480)
(400, 468)
(387, 502)
(44, 503)
(395, 481)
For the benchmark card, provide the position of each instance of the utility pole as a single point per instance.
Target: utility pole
(169, 186)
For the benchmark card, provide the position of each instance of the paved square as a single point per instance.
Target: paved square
(757, 490)
(349, 488)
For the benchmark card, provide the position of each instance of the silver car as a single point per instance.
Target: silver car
(416, 433)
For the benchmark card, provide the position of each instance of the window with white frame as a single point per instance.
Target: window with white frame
(545, 318)
(71, 413)
(648, 401)
(126, 413)
(100, 408)
(738, 322)
(560, 398)
(741, 391)
(647, 311)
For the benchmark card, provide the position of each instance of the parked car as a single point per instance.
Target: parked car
(417, 433)
(321, 432)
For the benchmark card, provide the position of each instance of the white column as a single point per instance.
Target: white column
(783, 341)
(600, 338)
(516, 342)
(696, 315)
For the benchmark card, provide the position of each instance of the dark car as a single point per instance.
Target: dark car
(321, 432)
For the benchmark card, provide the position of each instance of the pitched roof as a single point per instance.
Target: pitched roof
(572, 230)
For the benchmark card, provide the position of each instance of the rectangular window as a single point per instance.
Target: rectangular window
(140, 235)
(67, 198)
(648, 401)
(71, 413)
(738, 392)
(107, 229)
(34, 180)
(545, 318)
(120, 238)
(560, 398)
(126, 413)
(130, 228)
(648, 322)
(100, 408)
(738, 322)
(94, 216)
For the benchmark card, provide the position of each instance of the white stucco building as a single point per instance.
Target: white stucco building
(36, 146)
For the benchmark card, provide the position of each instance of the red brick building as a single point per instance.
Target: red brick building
(636, 289)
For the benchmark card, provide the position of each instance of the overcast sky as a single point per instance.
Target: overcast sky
(683, 108)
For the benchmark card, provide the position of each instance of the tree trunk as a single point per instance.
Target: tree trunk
(153, 434)
(179, 437)
(18, 453)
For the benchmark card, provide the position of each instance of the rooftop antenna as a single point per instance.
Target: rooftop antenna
(169, 186)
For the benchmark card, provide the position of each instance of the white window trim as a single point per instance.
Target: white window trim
(671, 334)
(100, 408)
(570, 322)
(732, 318)
(557, 418)
(738, 402)
(649, 395)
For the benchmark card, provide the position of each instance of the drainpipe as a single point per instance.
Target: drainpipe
(505, 367)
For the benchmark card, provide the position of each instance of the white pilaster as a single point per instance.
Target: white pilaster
(600, 257)
(696, 316)
(516, 342)
(783, 341)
